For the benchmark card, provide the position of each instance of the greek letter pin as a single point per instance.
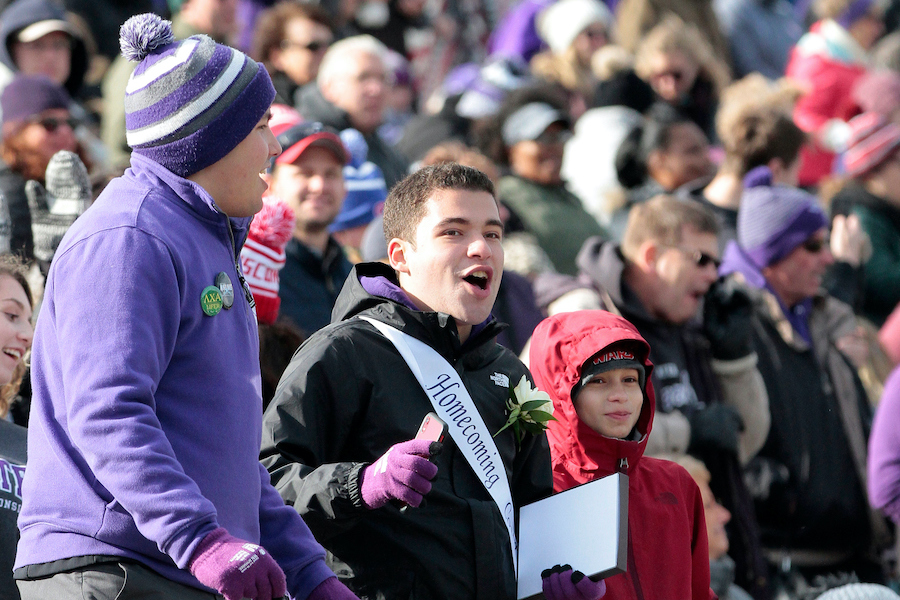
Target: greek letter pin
(211, 300)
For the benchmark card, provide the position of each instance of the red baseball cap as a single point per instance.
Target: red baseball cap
(297, 139)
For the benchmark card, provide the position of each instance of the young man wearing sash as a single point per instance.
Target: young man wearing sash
(406, 339)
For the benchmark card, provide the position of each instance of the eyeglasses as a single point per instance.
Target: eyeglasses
(313, 46)
(814, 245)
(699, 257)
(51, 124)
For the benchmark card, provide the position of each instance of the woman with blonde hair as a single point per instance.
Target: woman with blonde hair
(573, 31)
(681, 67)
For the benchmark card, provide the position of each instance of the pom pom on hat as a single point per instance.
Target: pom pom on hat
(775, 219)
(356, 146)
(364, 183)
(142, 34)
(263, 257)
(189, 102)
(758, 176)
(274, 224)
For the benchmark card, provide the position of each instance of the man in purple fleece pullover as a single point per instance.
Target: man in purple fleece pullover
(143, 479)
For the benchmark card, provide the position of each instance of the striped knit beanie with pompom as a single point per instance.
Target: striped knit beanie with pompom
(188, 102)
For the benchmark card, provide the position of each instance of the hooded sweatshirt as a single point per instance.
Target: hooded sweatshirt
(668, 553)
(21, 14)
(146, 412)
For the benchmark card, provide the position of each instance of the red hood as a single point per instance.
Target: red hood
(559, 346)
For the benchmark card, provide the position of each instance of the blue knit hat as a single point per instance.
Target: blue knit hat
(189, 102)
(364, 183)
(775, 219)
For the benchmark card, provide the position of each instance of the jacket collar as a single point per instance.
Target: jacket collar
(373, 288)
(193, 196)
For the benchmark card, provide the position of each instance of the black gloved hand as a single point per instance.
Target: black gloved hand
(715, 427)
(727, 320)
(562, 583)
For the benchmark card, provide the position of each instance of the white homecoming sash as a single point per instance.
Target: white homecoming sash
(454, 405)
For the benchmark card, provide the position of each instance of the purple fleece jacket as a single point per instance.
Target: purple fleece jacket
(145, 423)
(884, 451)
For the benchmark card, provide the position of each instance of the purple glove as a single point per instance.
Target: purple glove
(332, 589)
(561, 583)
(236, 568)
(403, 473)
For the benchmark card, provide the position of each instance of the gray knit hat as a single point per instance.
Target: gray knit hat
(189, 102)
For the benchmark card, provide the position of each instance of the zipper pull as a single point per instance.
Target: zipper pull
(623, 465)
(247, 293)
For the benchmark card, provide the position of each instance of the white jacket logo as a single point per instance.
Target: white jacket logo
(501, 380)
(381, 463)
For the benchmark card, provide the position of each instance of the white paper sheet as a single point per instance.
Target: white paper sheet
(585, 526)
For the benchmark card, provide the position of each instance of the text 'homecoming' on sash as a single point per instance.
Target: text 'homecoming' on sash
(454, 405)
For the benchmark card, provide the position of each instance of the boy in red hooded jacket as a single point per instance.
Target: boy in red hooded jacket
(595, 367)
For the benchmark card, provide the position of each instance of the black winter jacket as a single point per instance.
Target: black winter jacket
(346, 397)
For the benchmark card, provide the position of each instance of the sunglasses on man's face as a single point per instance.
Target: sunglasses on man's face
(51, 124)
(313, 46)
(699, 257)
(814, 245)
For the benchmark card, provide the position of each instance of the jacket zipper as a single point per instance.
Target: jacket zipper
(237, 266)
(632, 570)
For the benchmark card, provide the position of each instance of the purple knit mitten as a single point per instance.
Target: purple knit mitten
(236, 568)
(331, 589)
(402, 473)
(561, 583)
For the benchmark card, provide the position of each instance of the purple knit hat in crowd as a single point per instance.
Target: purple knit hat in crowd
(189, 102)
(775, 219)
(855, 10)
(30, 95)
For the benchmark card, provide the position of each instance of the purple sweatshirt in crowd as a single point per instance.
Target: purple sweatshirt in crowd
(884, 451)
(146, 415)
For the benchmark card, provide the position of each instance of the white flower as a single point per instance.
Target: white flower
(529, 410)
(523, 392)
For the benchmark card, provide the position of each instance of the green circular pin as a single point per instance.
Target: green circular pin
(211, 300)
